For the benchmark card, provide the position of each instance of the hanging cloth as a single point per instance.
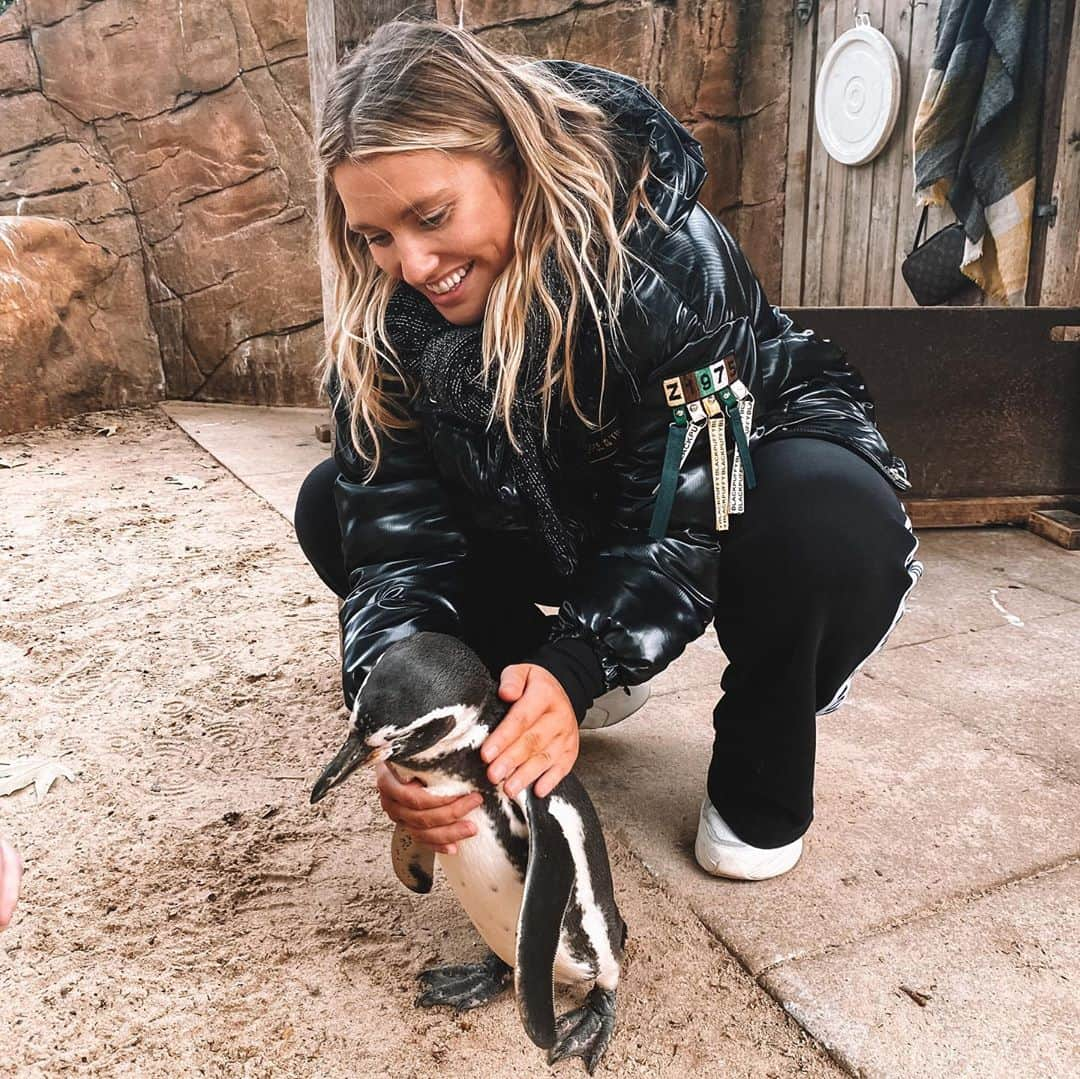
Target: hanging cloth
(977, 130)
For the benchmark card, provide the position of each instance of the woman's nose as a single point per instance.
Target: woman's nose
(419, 264)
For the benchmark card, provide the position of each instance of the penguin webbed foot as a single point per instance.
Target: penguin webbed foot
(464, 985)
(586, 1031)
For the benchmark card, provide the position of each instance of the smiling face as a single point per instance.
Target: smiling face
(425, 214)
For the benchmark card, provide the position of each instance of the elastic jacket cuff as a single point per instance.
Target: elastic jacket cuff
(577, 669)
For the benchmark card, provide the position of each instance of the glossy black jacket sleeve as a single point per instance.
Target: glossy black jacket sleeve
(403, 549)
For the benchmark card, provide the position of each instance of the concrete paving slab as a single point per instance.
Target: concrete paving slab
(270, 450)
(1017, 552)
(912, 809)
(1015, 684)
(957, 594)
(999, 975)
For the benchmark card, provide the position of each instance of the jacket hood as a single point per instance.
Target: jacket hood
(678, 163)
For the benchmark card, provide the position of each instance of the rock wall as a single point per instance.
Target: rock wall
(75, 333)
(175, 136)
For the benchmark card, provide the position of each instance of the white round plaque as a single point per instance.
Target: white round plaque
(858, 94)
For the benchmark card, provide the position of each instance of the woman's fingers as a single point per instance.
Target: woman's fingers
(439, 828)
(519, 719)
(552, 778)
(555, 755)
(535, 740)
(419, 798)
(438, 817)
(434, 821)
(441, 838)
(10, 876)
(412, 794)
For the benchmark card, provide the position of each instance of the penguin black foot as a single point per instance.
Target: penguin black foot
(464, 986)
(586, 1031)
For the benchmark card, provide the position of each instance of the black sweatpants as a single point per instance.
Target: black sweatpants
(813, 576)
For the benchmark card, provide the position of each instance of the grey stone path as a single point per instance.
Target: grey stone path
(933, 925)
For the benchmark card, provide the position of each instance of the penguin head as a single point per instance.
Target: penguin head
(426, 695)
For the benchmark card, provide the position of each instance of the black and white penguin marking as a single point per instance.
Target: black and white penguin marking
(535, 879)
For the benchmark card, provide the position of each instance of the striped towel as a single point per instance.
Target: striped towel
(977, 130)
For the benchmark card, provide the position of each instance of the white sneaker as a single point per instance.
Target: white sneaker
(614, 706)
(721, 852)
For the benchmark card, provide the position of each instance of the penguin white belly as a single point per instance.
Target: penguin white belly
(490, 891)
(487, 886)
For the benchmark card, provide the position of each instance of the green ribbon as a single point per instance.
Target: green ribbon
(731, 404)
(669, 476)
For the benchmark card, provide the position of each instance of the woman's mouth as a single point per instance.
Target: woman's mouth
(451, 293)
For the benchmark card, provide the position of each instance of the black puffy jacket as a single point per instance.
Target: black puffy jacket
(635, 602)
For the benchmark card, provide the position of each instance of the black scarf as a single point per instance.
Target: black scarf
(444, 361)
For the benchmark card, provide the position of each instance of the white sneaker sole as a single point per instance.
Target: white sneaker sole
(614, 706)
(731, 858)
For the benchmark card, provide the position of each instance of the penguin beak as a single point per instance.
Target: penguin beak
(353, 754)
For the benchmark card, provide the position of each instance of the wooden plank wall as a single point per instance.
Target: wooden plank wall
(847, 229)
(1061, 273)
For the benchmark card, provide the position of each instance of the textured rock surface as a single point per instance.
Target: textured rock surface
(75, 333)
(177, 137)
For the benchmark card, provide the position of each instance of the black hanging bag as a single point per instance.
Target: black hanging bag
(932, 270)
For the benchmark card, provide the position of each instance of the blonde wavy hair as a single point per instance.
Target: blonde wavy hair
(423, 85)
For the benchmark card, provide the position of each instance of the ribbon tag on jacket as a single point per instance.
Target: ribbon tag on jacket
(698, 399)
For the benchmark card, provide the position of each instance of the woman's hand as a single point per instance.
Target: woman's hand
(538, 738)
(10, 875)
(431, 820)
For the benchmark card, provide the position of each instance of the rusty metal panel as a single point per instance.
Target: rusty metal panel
(979, 401)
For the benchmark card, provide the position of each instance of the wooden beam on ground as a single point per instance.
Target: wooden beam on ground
(977, 512)
(1059, 526)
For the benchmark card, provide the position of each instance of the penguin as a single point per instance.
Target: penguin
(535, 878)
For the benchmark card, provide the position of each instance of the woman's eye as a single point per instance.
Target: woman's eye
(427, 222)
(435, 220)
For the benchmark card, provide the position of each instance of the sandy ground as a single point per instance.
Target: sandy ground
(185, 911)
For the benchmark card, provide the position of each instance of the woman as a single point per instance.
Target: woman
(557, 380)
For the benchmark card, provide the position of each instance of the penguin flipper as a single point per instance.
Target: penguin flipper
(414, 865)
(549, 883)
